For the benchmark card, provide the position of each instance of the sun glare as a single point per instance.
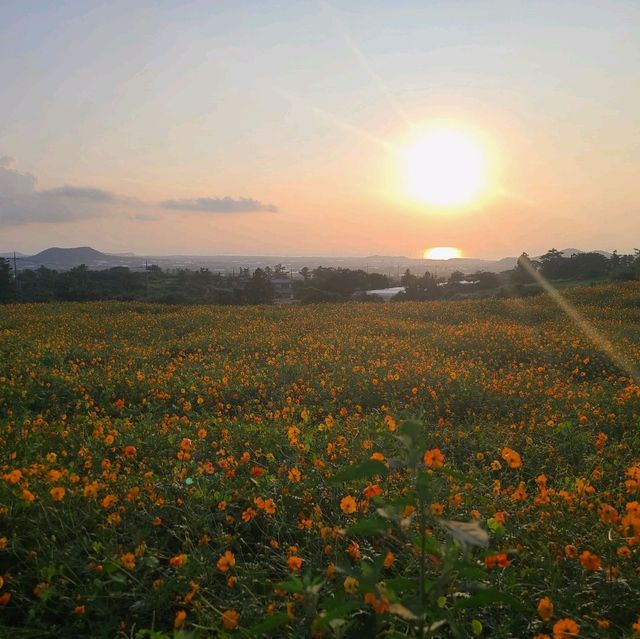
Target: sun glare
(445, 166)
(442, 253)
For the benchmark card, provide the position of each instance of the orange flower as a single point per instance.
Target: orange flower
(434, 458)
(178, 560)
(565, 628)
(388, 560)
(294, 563)
(109, 501)
(128, 560)
(230, 619)
(294, 475)
(13, 477)
(129, 451)
(248, 514)
(379, 605)
(57, 493)
(511, 457)
(500, 560)
(27, 495)
(181, 615)
(545, 609)
(372, 490)
(79, 610)
(226, 561)
(391, 423)
(348, 505)
(590, 561)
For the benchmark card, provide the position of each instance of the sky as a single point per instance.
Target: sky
(282, 127)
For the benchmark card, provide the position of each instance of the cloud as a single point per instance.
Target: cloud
(21, 202)
(145, 217)
(218, 205)
(81, 193)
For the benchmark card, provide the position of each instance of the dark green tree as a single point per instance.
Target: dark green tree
(7, 284)
(258, 289)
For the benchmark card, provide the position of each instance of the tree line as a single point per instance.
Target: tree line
(322, 284)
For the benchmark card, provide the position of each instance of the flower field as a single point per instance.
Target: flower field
(446, 469)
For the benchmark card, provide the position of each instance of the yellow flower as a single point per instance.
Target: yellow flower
(351, 585)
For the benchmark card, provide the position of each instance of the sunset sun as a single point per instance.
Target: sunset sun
(441, 253)
(445, 166)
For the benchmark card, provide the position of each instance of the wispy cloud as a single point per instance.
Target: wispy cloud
(81, 193)
(218, 205)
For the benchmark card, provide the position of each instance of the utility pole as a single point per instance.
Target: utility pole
(146, 277)
(15, 276)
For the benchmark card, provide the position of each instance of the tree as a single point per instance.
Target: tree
(553, 264)
(258, 289)
(7, 284)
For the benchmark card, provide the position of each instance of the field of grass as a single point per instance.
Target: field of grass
(250, 471)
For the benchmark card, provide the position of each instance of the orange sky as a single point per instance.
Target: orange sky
(278, 128)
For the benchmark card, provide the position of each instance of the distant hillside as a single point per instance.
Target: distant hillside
(569, 252)
(66, 258)
(79, 255)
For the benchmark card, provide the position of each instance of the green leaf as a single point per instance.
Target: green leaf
(294, 585)
(366, 470)
(410, 429)
(334, 612)
(269, 624)
(424, 485)
(369, 526)
(476, 627)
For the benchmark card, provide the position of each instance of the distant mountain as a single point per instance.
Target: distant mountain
(10, 254)
(79, 255)
(66, 258)
(568, 252)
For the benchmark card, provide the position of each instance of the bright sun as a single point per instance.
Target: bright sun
(442, 253)
(445, 166)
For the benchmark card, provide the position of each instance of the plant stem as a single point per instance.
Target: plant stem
(422, 523)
